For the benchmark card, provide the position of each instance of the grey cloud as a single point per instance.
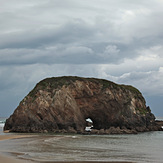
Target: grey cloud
(151, 83)
(116, 40)
(128, 30)
(69, 33)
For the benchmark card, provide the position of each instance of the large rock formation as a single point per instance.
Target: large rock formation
(63, 104)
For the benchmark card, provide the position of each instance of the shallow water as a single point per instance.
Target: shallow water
(142, 148)
(145, 147)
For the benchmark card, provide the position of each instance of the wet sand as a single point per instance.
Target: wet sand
(5, 159)
(5, 137)
(9, 159)
(87, 162)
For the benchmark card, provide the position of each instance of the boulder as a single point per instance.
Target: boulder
(62, 104)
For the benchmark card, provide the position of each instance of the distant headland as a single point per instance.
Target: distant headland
(63, 105)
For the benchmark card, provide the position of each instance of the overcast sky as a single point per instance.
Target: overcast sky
(118, 40)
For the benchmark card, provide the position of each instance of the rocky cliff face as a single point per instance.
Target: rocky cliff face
(63, 104)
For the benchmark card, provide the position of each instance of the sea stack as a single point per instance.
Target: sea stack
(62, 104)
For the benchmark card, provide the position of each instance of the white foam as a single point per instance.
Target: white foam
(89, 120)
(2, 125)
(88, 129)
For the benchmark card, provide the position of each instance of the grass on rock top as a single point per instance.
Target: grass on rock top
(58, 82)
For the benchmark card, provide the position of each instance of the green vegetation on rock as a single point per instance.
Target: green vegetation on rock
(131, 88)
(142, 111)
(58, 82)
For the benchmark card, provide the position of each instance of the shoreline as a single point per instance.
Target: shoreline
(9, 159)
(8, 137)
(6, 158)
(87, 162)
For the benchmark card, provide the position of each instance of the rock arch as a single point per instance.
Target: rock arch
(89, 124)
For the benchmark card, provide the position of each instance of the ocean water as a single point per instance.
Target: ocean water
(142, 148)
(145, 147)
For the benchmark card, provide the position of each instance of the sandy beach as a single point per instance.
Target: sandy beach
(12, 160)
(5, 137)
(9, 159)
